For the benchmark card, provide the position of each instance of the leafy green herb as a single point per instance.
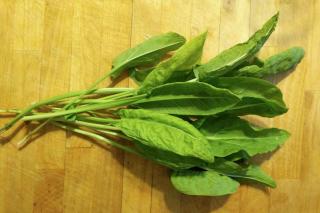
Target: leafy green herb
(185, 58)
(278, 63)
(242, 173)
(238, 156)
(168, 158)
(258, 97)
(205, 143)
(233, 57)
(139, 75)
(148, 52)
(228, 135)
(164, 132)
(189, 98)
(205, 183)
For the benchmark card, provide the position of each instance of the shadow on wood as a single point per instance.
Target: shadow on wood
(8, 138)
(161, 185)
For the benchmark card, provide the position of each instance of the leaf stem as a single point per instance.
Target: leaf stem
(14, 111)
(25, 140)
(119, 95)
(115, 134)
(96, 119)
(97, 137)
(103, 99)
(89, 124)
(106, 105)
(56, 98)
(91, 89)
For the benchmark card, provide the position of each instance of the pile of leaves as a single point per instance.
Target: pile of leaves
(184, 115)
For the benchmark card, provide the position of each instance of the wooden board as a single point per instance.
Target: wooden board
(51, 46)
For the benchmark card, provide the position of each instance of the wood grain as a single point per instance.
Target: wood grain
(52, 46)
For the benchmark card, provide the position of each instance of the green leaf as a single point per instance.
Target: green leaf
(188, 98)
(238, 156)
(228, 135)
(234, 170)
(180, 76)
(233, 57)
(164, 132)
(148, 52)
(199, 122)
(257, 96)
(206, 183)
(253, 61)
(139, 75)
(167, 158)
(252, 65)
(184, 59)
(251, 71)
(278, 63)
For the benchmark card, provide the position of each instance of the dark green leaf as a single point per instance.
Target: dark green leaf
(278, 63)
(228, 135)
(257, 96)
(233, 57)
(164, 132)
(238, 156)
(206, 183)
(189, 98)
(234, 170)
(199, 122)
(148, 52)
(167, 158)
(139, 75)
(184, 59)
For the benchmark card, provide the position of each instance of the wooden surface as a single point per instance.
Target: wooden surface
(48, 47)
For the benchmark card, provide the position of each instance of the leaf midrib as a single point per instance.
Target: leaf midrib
(147, 53)
(241, 139)
(152, 99)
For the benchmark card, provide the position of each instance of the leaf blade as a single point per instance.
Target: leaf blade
(205, 183)
(279, 63)
(228, 135)
(234, 56)
(185, 58)
(167, 158)
(257, 96)
(188, 98)
(146, 52)
(164, 132)
(234, 170)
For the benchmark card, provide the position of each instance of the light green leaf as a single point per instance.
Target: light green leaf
(180, 76)
(164, 132)
(228, 135)
(278, 63)
(233, 57)
(257, 96)
(205, 183)
(147, 52)
(184, 59)
(189, 98)
(234, 170)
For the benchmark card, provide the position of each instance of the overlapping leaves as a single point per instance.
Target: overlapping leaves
(187, 124)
